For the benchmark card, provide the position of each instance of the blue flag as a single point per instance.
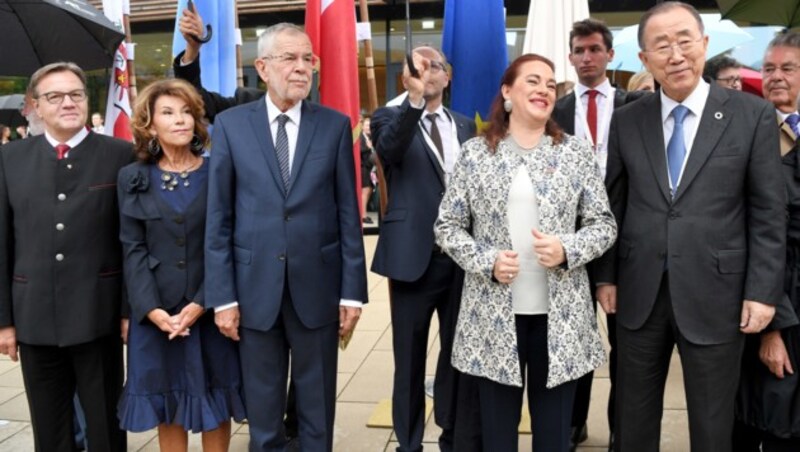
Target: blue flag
(474, 40)
(218, 56)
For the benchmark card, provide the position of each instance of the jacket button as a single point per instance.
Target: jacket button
(69, 165)
(62, 196)
(59, 227)
(59, 257)
(181, 265)
(441, 193)
(180, 241)
(178, 219)
(287, 217)
(282, 257)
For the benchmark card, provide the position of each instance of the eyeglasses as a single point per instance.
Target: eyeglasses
(437, 67)
(733, 80)
(787, 69)
(285, 59)
(56, 98)
(685, 45)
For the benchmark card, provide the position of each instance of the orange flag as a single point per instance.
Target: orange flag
(331, 25)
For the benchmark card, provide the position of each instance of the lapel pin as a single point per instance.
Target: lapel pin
(718, 115)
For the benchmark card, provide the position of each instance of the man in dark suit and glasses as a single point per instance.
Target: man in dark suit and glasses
(694, 182)
(61, 288)
(418, 143)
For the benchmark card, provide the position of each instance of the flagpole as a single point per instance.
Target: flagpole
(126, 20)
(372, 93)
(239, 70)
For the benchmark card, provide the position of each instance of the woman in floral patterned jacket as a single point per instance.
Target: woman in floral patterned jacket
(509, 218)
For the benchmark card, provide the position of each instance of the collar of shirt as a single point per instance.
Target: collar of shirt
(783, 115)
(72, 142)
(293, 113)
(696, 101)
(604, 88)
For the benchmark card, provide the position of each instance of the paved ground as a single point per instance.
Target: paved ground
(365, 378)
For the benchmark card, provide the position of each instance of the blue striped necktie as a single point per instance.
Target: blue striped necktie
(676, 149)
(793, 120)
(282, 149)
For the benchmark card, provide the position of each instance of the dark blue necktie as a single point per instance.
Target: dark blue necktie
(793, 120)
(282, 149)
(676, 149)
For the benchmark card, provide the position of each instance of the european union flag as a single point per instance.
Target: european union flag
(218, 56)
(474, 40)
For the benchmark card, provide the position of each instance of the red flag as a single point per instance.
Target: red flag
(118, 108)
(331, 25)
(118, 105)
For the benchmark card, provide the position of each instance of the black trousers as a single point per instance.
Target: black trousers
(550, 409)
(53, 374)
(583, 394)
(412, 307)
(710, 376)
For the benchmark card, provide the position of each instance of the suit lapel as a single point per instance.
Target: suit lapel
(260, 123)
(652, 136)
(569, 120)
(619, 98)
(709, 130)
(462, 128)
(308, 124)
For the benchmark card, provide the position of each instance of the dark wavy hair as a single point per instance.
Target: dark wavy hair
(142, 117)
(498, 117)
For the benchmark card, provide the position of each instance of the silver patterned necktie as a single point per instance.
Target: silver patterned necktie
(282, 149)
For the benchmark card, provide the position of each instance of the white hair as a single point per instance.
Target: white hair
(266, 40)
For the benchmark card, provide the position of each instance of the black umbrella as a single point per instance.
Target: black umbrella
(39, 32)
(10, 107)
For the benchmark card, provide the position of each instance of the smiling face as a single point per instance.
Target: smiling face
(173, 123)
(674, 51)
(590, 57)
(287, 68)
(532, 94)
(65, 119)
(781, 77)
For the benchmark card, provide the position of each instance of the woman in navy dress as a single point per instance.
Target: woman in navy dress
(182, 373)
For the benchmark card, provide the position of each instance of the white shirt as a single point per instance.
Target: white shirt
(529, 291)
(444, 123)
(292, 125)
(696, 103)
(445, 126)
(605, 92)
(72, 142)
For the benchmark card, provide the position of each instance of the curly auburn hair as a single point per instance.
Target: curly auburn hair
(142, 118)
(498, 117)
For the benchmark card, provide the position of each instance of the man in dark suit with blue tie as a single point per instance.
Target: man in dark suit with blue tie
(285, 268)
(694, 182)
(418, 143)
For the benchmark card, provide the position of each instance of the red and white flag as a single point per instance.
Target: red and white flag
(118, 105)
(331, 25)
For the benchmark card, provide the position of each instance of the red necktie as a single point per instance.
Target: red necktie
(61, 150)
(591, 114)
